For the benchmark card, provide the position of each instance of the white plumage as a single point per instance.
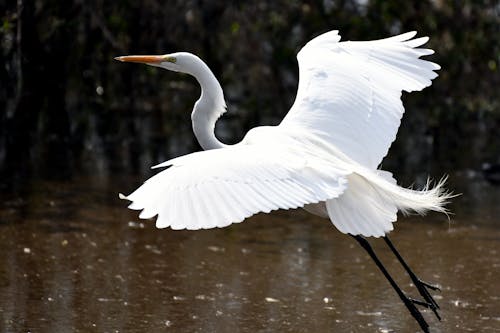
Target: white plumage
(323, 156)
(349, 93)
(197, 193)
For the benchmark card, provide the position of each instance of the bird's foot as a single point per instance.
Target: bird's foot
(428, 285)
(410, 305)
(422, 287)
(421, 303)
(430, 302)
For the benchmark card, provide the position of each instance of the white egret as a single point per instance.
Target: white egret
(322, 157)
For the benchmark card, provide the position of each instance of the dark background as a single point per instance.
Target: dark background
(68, 108)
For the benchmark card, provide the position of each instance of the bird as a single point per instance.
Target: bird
(324, 156)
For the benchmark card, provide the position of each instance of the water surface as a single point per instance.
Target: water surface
(75, 260)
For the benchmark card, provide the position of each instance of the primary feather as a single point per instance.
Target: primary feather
(350, 92)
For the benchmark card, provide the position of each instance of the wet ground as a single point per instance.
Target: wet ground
(74, 259)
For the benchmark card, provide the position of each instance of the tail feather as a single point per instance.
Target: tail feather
(369, 205)
(433, 197)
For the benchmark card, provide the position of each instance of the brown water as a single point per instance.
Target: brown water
(75, 260)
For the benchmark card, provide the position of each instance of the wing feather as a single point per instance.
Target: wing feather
(350, 92)
(262, 202)
(203, 209)
(236, 182)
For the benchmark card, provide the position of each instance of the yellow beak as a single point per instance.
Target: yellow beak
(144, 59)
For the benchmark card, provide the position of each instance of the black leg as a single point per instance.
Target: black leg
(421, 285)
(410, 304)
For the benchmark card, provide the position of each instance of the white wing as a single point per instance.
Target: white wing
(349, 93)
(218, 187)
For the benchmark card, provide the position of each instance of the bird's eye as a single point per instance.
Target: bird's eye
(170, 59)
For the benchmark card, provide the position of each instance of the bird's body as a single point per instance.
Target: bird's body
(323, 156)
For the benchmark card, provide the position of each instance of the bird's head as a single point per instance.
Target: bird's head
(177, 62)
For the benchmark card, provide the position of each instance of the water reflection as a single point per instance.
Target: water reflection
(76, 260)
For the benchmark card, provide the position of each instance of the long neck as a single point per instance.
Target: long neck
(208, 108)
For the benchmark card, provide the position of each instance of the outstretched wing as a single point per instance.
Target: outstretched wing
(218, 187)
(350, 92)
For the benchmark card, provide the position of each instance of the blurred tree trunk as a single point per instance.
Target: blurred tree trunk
(38, 110)
(22, 119)
(54, 127)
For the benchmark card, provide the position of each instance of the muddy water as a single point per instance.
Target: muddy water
(73, 259)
